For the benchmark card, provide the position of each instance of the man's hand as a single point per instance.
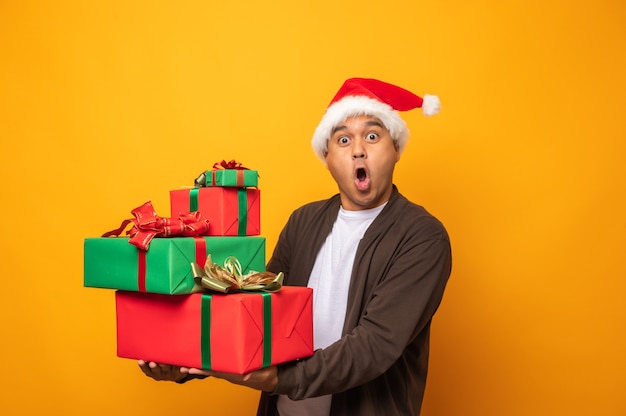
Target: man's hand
(161, 372)
(264, 379)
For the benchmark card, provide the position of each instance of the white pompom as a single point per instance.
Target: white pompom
(431, 105)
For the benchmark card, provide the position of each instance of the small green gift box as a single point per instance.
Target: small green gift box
(239, 178)
(114, 263)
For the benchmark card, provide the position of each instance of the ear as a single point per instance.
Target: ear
(325, 158)
(395, 146)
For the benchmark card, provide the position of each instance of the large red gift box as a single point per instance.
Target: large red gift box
(231, 211)
(233, 333)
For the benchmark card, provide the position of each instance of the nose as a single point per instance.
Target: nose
(358, 150)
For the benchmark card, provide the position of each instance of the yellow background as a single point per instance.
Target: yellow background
(105, 105)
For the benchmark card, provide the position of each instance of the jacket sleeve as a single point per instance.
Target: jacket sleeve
(400, 280)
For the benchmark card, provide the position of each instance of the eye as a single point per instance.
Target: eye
(343, 140)
(371, 137)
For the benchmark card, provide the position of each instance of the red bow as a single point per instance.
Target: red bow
(147, 225)
(229, 165)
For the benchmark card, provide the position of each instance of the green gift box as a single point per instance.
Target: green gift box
(114, 263)
(229, 177)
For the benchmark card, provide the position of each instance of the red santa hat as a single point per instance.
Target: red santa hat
(366, 96)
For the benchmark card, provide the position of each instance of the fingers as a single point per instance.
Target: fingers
(160, 371)
(145, 367)
(196, 371)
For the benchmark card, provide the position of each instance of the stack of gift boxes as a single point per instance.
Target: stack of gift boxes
(164, 315)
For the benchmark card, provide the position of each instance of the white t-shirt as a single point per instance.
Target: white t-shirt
(330, 281)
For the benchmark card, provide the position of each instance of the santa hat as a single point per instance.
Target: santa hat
(365, 96)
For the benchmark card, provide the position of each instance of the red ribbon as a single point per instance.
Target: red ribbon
(147, 225)
(232, 164)
(238, 181)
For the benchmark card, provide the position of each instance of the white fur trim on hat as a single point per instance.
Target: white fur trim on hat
(354, 106)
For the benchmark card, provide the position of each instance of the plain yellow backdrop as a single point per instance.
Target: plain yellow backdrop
(105, 105)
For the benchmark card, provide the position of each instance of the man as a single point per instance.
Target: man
(378, 265)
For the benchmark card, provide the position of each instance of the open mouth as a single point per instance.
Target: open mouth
(361, 175)
(362, 179)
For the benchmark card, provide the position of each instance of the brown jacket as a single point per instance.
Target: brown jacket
(401, 268)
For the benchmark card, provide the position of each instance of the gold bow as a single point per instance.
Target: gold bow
(231, 279)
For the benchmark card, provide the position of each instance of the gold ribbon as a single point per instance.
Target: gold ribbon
(230, 278)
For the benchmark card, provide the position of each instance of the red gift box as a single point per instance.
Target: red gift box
(226, 333)
(231, 211)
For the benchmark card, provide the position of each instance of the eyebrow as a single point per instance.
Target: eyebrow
(336, 129)
(374, 123)
(368, 123)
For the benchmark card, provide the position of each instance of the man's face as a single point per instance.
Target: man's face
(361, 158)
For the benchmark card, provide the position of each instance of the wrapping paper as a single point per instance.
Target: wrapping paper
(231, 211)
(165, 268)
(228, 177)
(234, 333)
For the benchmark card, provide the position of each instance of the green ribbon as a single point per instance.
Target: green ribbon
(267, 329)
(205, 336)
(242, 206)
(242, 201)
(193, 199)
